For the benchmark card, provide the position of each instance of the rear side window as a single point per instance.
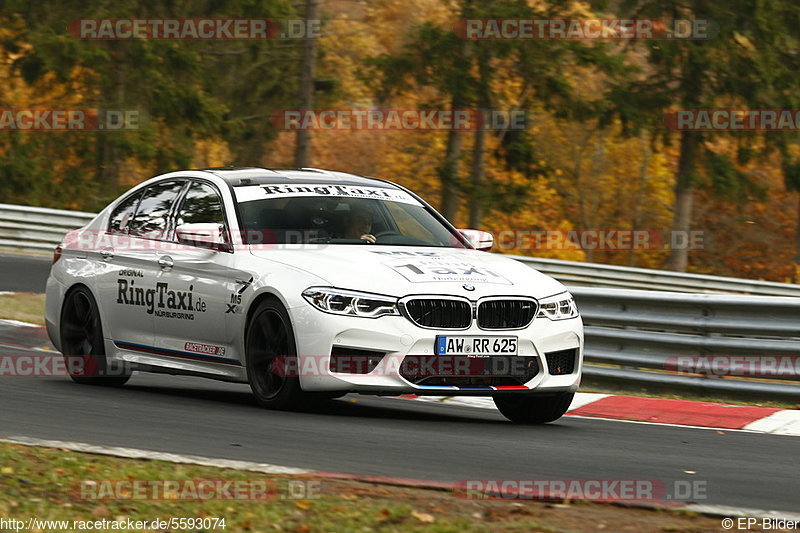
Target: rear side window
(202, 205)
(154, 208)
(123, 214)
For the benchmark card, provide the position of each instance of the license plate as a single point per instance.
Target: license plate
(475, 346)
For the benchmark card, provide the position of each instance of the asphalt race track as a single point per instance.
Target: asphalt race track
(23, 273)
(386, 436)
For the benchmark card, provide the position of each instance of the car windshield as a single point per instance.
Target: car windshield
(337, 214)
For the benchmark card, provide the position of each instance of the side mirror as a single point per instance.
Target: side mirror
(480, 240)
(206, 235)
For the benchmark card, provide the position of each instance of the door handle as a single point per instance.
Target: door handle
(165, 262)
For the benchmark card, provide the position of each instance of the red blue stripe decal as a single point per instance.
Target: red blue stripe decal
(488, 388)
(176, 353)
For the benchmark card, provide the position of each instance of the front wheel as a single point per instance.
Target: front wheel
(272, 357)
(533, 409)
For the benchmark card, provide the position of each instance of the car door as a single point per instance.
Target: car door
(128, 286)
(196, 329)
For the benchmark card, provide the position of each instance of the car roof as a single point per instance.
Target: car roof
(243, 176)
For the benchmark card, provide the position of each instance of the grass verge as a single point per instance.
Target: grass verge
(24, 306)
(45, 483)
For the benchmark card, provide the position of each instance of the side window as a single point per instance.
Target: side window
(202, 205)
(151, 217)
(407, 224)
(121, 216)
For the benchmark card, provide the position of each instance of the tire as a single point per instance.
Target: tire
(82, 342)
(271, 355)
(533, 409)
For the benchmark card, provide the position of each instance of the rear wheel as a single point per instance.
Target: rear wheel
(82, 342)
(533, 409)
(272, 357)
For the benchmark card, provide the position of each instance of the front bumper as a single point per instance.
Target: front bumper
(318, 333)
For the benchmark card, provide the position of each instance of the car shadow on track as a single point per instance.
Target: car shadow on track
(378, 408)
(220, 397)
(348, 407)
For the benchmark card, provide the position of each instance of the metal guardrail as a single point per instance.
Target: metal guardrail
(37, 229)
(631, 335)
(576, 274)
(655, 339)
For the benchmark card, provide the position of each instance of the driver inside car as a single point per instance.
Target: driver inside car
(358, 224)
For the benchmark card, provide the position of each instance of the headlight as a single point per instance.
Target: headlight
(351, 303)
(559, 307)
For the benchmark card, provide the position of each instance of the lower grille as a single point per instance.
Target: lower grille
(561, 362)
(439, 313)
(461, 370)
(354, 361)
(506, 314)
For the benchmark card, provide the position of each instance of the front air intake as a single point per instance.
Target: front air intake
(354, 360)
(562, 362)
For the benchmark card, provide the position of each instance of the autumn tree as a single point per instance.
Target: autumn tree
(184, 90)
(745, 56)
(467, 73)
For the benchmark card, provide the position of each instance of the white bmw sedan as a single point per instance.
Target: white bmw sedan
(309, 284)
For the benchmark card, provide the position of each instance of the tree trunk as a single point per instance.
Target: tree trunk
(477, 199)
(448, 175)
(684, 196)
(640, 195)
(107, 156)
(691, 98)
(596, 171)
(302, 153)
(448, 171)
(797, 238)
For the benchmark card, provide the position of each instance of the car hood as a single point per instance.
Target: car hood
(396, 271)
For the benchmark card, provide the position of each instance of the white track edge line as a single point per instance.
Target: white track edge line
(17, 323)
(136, 453)
(686, 426)
(724, 510)
(785, 422)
